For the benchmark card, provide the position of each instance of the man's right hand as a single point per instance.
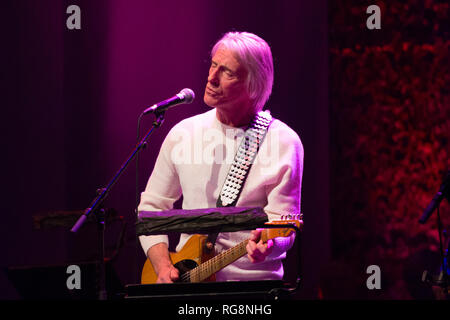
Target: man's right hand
(160, 259)
(167, 274)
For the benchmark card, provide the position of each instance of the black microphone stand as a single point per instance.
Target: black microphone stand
(446, 266)
(96, 206)
(444, 276)
(443, 279)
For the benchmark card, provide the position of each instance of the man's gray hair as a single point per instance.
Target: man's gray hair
(255, 55)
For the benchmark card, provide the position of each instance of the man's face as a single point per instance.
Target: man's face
(226, 88)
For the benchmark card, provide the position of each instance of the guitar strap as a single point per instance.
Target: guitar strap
(242, 163)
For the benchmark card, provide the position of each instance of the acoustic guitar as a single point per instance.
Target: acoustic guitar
(196, 261)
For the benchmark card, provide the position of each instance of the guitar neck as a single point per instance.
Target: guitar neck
(220, 261)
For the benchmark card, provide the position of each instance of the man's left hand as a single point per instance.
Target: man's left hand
(257, 251)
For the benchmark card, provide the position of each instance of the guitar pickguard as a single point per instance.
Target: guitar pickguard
(184, 266)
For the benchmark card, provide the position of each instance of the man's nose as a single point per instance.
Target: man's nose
(213, 78)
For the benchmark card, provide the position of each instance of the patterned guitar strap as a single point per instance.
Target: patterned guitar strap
(242, 163)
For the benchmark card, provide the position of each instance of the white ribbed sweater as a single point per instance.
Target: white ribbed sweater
(194, 160)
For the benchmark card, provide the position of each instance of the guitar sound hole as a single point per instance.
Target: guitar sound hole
(185, 266)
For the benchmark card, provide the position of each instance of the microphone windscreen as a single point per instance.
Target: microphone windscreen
(188, 94)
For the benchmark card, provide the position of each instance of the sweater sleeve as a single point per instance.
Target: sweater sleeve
(162, 190)
(284, 191)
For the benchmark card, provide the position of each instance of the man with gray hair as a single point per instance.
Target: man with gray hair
(239, 84)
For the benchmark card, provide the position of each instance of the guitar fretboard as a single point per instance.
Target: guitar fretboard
(218, 262)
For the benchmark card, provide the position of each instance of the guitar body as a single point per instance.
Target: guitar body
(190, 256)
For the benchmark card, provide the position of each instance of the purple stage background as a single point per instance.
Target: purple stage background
(371, 108)
(72, 99)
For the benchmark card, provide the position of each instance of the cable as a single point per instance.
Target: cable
(137, 164)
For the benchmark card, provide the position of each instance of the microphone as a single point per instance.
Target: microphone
(444, 192)
(185, 96)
